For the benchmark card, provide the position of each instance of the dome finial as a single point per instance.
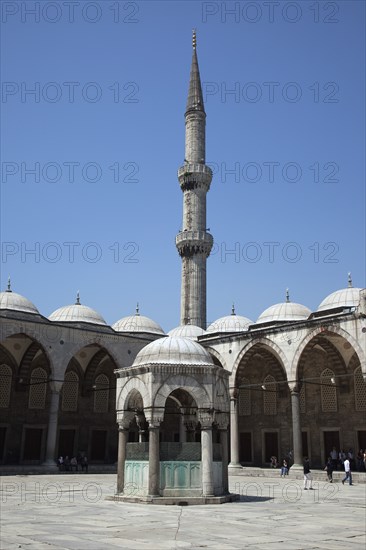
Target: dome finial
(9, 285)
(350, 284)
(194, 39)
(287, 295)
(77, 303)
(233, 309)
(137, 309)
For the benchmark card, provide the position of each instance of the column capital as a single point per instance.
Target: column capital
(56, 385)
(206, 418)
(154, 417)
(124, 419)
(222, 420)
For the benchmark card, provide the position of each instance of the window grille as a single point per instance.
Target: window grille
(302, 399)
(244, 399)
(101, 394)
(38, 389)
(270, 395)
(360, 390)
(328, 391)
(5, 386)
(70, 392)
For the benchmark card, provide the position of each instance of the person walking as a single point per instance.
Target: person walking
(347, 469)
(308, 478)
(329, 468)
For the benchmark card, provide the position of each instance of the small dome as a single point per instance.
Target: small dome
(230, 323)
(346, 297)
(77, 313)
(137, 323)
(173, 351)
(16, 302)
(187, 331)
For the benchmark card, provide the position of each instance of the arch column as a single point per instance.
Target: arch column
(154, 460)
(123, 430)
(50, 459)
(223, 430)
(206, 420)
(296, 429)
(234, 430)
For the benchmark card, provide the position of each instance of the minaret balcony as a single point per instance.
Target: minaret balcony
(194, 242)
(193, 174)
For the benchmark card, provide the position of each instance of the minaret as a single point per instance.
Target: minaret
(193, 242)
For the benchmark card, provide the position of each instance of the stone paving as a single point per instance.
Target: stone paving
(59, 512)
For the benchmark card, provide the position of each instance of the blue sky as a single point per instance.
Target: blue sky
(103, 132)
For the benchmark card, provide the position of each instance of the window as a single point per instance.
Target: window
(360, 390)
(38, 389)
(328, 391)
(244, 399)
(101, 394)
(302, 399)
(70, 392)
(269, 395)
(5, 386)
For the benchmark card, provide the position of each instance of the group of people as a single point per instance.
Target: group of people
(357, 463)
(72, 464)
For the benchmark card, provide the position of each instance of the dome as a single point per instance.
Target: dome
(173, 351)
(285, 311)
(137, 323)
(230, 323)
(187, 331)
(346, 297)
(16, 302)
(77, 313)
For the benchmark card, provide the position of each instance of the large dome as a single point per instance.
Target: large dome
(285, 311)
(187, 331)
(137, 323)
(13, 301)
(173, 351)
(230, 323)
(77, 313)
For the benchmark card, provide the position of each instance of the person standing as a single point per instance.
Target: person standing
(307, 475)
(347, 469)
(329, 468)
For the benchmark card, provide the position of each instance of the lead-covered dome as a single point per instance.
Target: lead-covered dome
(173, 351)
(187, 331)
(284, 312)
(137, 323)
(346, 297)
(15, 302)
(77, 313)
(230, 323)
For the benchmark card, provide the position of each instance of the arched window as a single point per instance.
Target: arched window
(302, 397)
(269, 395)
(244, 398)
(70, 392)
(101, 394)
(328, 391)
(5, 386)
(360, 390)
(38, 389)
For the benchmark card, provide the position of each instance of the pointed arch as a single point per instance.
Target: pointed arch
(271, 347)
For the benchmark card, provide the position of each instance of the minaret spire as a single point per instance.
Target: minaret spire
(194, 243)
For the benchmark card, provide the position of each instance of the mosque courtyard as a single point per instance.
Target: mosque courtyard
(71, 512)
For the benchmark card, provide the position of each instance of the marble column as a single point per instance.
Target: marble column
(182, 428)
(154, 461)
(224, 460)
(296, 430)
(122, 445)
(51, 451)
(207, 466)
(234, 431)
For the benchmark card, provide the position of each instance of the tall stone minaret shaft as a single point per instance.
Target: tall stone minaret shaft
(193, 242)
